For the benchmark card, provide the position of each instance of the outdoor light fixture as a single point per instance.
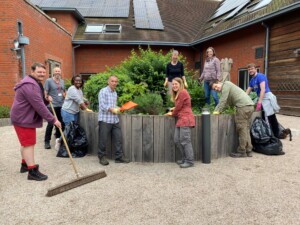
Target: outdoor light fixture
(16, 46)
(18, 43)
(17, 49)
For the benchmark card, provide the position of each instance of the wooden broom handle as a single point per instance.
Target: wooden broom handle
(66, 144)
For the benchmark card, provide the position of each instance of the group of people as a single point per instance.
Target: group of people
(33, 100)
(231, 95)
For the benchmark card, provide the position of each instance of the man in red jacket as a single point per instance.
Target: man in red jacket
(27, 114)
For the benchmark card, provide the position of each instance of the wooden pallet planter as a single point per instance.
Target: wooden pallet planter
(151, 138)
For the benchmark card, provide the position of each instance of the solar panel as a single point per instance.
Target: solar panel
(233, 7)
(234, 12)
(261, 4)
(146, 15)
(90, 8)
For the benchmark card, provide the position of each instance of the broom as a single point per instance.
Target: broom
(79, 180)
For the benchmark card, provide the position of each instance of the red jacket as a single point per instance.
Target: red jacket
(183, 110)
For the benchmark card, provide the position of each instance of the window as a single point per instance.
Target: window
(94, 28)
(86, 76)
(259, 53)
(52, 65)
(244, 78)
(103, 28)
(112, 28)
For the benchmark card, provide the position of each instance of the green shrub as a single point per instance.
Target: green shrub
(126, 89)
(4, 111)
(150, 104)
(67, 84)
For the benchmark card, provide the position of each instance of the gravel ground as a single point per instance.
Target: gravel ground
(259, 190)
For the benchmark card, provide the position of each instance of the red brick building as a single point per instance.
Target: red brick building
(59, 33)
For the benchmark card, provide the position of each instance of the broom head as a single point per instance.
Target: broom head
(75, 183)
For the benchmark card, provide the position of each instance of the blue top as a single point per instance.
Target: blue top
(255, 83)
(107, 99)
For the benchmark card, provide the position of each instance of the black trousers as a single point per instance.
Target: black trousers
(49, 127)
(273, 123)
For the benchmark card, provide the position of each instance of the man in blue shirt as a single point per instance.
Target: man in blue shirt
(267, 101)
(108, 121)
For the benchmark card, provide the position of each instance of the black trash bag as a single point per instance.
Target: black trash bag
(272, 147)
(284, 132)
(76, 140)
(260, 131)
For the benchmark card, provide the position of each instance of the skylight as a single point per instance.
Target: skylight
(94, 28)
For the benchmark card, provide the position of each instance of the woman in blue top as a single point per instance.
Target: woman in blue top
(267, 101)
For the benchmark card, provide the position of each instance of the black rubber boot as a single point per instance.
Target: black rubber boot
(35, 174)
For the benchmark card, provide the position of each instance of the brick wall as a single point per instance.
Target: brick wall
(240, 46)
(65, 19)
(47, 41)
(95, 58)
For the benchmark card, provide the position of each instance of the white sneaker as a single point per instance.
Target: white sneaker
(57, 144)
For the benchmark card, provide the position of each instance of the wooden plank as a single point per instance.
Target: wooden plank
(125, 123)
(199, 138)
(294, 27)
(285, 46)
(291, 19)
(169, 139)
(214, 135)
(148, 139)
(232, 137)
(222, 139)
(137, 139)
(194, 138)
(94, 129)
(285, 37)
(276, 55)
(158, 139)
(161, 142)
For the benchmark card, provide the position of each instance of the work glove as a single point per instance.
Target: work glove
(258, 106)
(88, 110)
(216, 113)
(168, 114)
(116, 111)
(185, 85)
(166, 84)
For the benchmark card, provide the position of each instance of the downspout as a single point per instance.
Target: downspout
(73, 59)
(267, 46)
(23, 61)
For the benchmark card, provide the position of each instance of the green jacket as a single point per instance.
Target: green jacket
(232, 95)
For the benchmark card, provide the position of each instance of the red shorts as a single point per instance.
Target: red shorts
(27, 136)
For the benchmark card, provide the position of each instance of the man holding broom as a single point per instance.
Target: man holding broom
(108, 121)
(27, 114)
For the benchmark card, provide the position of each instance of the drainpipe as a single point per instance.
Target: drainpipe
(23, 61)
(73, 59)
(267, 46)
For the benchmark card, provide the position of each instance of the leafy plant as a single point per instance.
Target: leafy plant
(67, 84)
(4, 111)
(150, 104)
(126, 89)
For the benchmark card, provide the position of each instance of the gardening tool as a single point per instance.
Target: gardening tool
(127, 106)
(79, 180)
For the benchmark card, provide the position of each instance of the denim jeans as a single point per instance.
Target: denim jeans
(68, 117)
(207, 91)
